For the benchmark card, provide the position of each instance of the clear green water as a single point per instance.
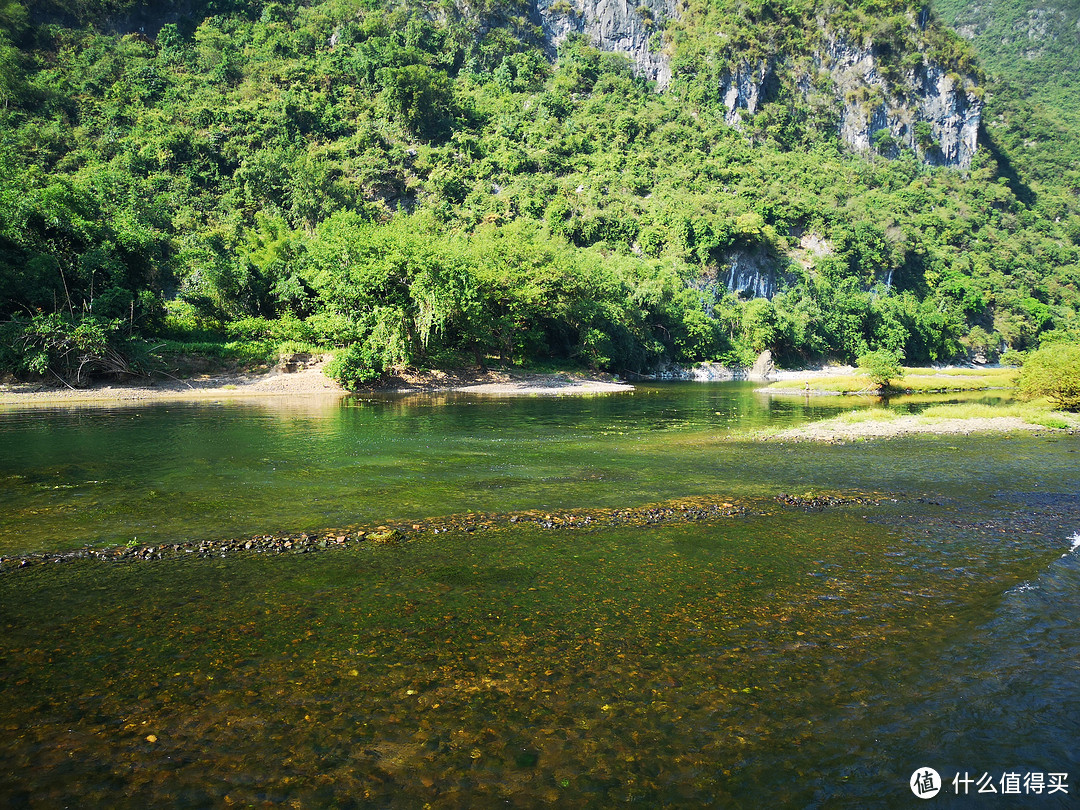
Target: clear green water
(172, 471)
(776, 658)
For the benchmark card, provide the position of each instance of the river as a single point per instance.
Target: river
(783, 653)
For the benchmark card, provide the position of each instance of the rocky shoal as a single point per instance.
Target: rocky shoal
(679, 511)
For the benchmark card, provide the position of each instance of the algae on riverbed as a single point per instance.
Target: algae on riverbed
(677, 665)
(765, 650)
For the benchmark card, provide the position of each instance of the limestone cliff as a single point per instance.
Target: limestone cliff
(753, 273)
(947, 105)
(927, 109)
(631, 28)
(746, 87)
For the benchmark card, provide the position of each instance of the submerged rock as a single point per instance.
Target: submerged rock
(817, 503)
(384, 535)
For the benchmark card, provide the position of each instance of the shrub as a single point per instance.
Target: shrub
(334, 329)
(884, 143)
(69, 349)
(255, 328)
(883, 367)
(384, 347)
(1012, 357)
(355, 366)
(1053, 372)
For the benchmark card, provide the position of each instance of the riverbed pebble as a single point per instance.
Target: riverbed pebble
(680, 511)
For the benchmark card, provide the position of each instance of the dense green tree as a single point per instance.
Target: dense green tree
(882, 367)
(427, 186)
(1053, 371)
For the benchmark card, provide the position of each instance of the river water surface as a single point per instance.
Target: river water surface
(775, 656)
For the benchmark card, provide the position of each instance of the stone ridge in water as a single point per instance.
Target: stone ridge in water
(817, 503)
(681, 510)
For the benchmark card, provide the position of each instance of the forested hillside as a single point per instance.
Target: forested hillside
(430, 183)
(1031, 44)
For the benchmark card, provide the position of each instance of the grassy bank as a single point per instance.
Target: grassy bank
(915, 381)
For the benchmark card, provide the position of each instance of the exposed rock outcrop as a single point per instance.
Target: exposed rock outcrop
(927, 109)
(752, 274)
(764, 367)
(746, 88)
(763, 370)
(755, 272)
(946, 102)
(631, 28)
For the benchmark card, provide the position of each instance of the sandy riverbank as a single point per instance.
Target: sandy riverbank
(818, 372)
(501, 382)
(833, 381)
(307, 382)
(304, 382)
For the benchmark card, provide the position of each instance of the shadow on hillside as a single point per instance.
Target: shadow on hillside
(1021, 190)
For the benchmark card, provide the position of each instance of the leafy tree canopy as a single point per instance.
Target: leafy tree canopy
(429, 186)
(1053, 371)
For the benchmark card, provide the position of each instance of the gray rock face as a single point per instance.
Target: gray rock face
(945, 101)
(613, 25)
(764, 367)
(752, 274)
(745, 89)
(868, 103)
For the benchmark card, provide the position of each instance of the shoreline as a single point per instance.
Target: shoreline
(833, 381)
(308, 381)
(497, 382)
